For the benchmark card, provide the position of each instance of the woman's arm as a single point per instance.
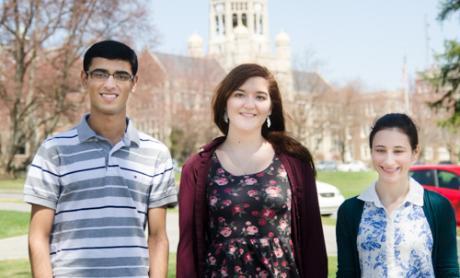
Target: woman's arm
(346, 243)
(446, 255)
(185, 265)
(313, 245)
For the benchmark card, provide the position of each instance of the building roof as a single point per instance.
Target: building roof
(309, 82)
(186, 68)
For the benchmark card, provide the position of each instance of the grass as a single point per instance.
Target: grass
(13, 223)
(172, 265)
(21, 268)
(327, 220)
(11, 185)
(332, 266)
(15, 268)
(349, 183)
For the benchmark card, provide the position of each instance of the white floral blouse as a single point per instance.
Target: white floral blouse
(397, 244)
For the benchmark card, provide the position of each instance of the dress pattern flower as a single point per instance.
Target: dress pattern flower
(249, 231)
(396, 245)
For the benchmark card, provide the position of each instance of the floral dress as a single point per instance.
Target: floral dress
(249, 223)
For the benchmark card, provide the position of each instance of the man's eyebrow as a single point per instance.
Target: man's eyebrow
(99, 69)
(105, 70)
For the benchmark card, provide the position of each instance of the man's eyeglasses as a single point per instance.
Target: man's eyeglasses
(103, 75)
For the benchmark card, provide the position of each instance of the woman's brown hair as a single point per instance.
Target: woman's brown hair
(276, 133)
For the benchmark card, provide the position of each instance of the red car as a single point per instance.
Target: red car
(441, 178)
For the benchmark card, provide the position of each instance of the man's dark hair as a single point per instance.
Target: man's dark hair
(112, 50)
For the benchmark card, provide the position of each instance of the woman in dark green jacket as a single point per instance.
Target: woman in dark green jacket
(396, 228)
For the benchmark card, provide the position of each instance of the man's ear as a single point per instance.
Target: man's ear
(84, 78)
(135, 80)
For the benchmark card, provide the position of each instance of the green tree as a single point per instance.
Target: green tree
(447, 79)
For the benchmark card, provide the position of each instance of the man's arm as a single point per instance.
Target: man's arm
(41, 223)
(158, 243)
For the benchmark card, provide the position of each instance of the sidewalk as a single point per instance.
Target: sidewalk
(16, 247)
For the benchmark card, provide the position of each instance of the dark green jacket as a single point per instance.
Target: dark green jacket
(440, 216)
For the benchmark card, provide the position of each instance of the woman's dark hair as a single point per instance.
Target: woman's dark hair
(396, 120)
(276, 133)
(112, 50)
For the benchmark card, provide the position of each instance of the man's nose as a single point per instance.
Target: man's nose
(109, 82)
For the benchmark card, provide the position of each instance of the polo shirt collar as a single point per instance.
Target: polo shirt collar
(414, 196)
(85, 132)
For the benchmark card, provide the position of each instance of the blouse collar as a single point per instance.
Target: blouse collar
(414, 196)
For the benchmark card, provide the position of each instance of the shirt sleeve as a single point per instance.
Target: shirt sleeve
(446, 254)
(186, 261)
(346, 243)
(42, 185)
(164, 191)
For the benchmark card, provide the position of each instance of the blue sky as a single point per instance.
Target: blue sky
(365, 40)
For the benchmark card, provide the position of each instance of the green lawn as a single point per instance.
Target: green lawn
(332, 266)
(328, 220)
(20, 268)
(11, 185)
(13, 223)
(15, 268)
(349, 183)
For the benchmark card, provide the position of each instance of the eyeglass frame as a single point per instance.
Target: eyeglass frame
(106, 72)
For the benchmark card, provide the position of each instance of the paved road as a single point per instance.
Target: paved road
(16, 247)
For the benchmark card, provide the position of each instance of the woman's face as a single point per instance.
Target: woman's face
(392, 155)
(249, 106)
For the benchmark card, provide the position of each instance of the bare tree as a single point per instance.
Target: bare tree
(41, 42)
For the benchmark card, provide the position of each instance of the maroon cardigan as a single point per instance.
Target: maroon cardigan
(307, 232)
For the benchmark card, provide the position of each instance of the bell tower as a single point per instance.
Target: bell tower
(238, 31)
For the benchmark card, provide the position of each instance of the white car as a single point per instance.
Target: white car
(329, 198)
(352, 166)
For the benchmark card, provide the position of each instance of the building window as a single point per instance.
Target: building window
(244, 20)
(261, 22)
(235, 20)
(223, 24)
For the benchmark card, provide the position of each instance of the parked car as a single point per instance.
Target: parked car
(326, 165)
(441, 178)
(329, 198)
(352, 166)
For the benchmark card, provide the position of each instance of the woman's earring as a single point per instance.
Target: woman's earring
(225, 117)
(269, 122)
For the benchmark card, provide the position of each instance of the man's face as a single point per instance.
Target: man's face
(108, 83)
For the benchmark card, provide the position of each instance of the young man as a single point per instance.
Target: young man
(94, 188)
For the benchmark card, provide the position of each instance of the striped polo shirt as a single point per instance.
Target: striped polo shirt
(101, 194)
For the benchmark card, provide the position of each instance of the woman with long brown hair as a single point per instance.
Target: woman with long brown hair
(248, 204)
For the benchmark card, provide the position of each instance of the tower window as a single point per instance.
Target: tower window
(244, 20)
(235, 20)
(217, 25)
(255, 24)
(223, 24)
(261, 26)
